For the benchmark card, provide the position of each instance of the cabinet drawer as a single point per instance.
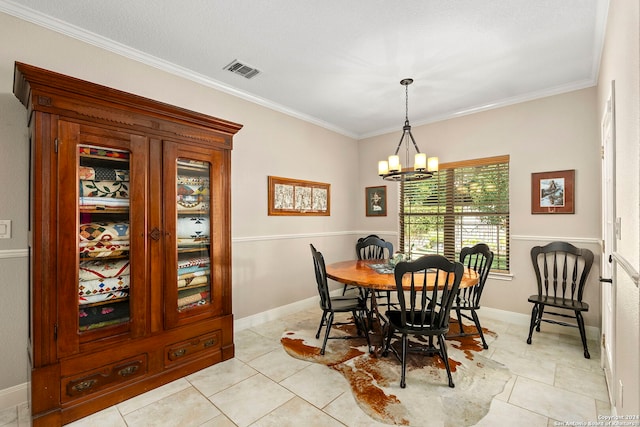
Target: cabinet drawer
(194, 347)
(114, 374)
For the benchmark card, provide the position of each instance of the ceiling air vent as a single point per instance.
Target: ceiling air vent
(241, 69)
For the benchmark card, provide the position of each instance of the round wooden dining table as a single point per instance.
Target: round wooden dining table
(377, 275)
(365, 274)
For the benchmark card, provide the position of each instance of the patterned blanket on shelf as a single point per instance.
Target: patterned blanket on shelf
(104, 189)
(191, 227)
(104, 231)
(102, 174)
(101, 269)
(100, 286)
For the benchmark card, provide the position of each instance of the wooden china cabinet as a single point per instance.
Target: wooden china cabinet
(129, 243)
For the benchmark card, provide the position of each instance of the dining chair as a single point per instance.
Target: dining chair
(340, 304)
(479, 259)
(424, 310)
(346, 287)
(373, 247)
(561, 274)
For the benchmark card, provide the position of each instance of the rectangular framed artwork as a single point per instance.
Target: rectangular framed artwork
(375, 199)
(297, 197)
(553, 192)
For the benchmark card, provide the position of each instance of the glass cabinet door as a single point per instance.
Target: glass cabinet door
(193, 233)
(101, 280)
(194, 221)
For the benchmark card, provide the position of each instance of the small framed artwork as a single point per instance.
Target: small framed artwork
(297, 197)
(376, 201)
(553, 192)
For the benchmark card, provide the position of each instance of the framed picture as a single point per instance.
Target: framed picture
(376, 201)
(553, 192)
(297, 197)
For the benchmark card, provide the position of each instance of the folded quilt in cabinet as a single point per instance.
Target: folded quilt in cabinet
(104, 296)
(106, 189)
(110, 284)
(193, 203)
(103, 203)
(101, 269)
(103, 249)
(193, 227)
(193, 281)
(104, 231)
(194, 262)
(103, 152)
(192, 164)
(194, 299)
(188, 242)
(98, 173)
(190, 190)
(186, 276)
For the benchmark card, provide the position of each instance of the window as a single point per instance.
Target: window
(464, 203)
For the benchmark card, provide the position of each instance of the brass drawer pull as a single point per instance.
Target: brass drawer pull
(129, 370)
(210, 342)
(84, 385)
(179, 353)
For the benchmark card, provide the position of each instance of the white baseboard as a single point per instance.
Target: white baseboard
(276, 313)
(593, 333)
(14, 396)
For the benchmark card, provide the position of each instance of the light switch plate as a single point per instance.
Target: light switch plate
(5, 228)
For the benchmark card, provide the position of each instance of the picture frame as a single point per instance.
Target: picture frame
(553, 192)
(288, 196)
(375, 199)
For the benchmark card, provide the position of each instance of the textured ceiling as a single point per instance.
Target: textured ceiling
(338, 63)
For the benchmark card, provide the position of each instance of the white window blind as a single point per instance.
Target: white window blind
(464, 203)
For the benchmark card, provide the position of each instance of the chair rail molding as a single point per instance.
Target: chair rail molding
(13, 253)
(308, 235)
(585, 240)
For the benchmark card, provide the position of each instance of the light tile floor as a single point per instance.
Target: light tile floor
(263, 386)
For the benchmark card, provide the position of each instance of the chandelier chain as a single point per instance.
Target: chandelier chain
(406, 103)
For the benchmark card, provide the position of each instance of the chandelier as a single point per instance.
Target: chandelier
(423, 168)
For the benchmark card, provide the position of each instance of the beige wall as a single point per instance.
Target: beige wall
(621, 63)
(554, 133)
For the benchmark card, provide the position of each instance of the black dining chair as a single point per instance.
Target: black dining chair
(479, 259)
(346, 287)
(332, 305)
(424, 310)
(561, 274)
(372, 247)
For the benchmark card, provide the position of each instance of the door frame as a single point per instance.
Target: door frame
(608, 247)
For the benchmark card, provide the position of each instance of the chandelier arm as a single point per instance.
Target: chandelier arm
(414, 141)
(400, 144)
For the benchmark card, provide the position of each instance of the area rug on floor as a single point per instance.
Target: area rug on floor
(427, 400)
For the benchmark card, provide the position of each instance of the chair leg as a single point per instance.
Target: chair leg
(445, 358)
(459, 315)
(322, 320)
(476, 320)
(405, 340)
(326, 334)
(534, 316)
(540, 313)
(387, 338)
(344, 290)
(583, 334)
